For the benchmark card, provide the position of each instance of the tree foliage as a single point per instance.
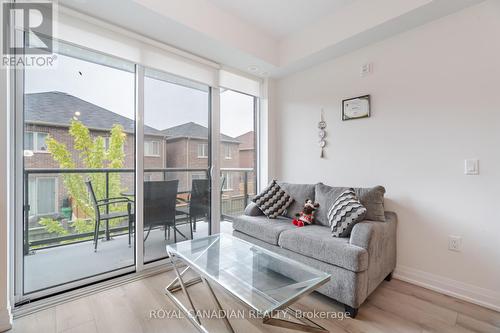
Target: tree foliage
(91, 153)
(53, 226)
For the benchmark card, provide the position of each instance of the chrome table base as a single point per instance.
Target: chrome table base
(179, 284)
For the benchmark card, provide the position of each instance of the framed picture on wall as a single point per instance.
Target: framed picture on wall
(356, 108)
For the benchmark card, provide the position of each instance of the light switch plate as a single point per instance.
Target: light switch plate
(366, 69)
(455, 243)
(472, 167)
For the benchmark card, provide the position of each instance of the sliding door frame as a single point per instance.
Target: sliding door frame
(18, 164)
(215, 193)
(18, 296)
(139, 168)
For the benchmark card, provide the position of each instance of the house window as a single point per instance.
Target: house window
(107, 143)
(35, 141)
(227, 152)
(203, 150)
(227, 181)
(42, 196)
(151, 148)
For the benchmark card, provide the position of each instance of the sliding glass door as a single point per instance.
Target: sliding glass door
(177, 160)
(115, 161)
(238, 159)
(78, 161)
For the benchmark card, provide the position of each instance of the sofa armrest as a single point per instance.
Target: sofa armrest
(253, 210)
(379, 239)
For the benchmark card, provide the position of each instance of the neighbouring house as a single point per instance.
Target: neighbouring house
(188, 147)
(247, 149)
(247, 157)
(50, 113)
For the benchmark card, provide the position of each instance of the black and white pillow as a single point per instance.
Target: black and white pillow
(273, 200)
(345, 212)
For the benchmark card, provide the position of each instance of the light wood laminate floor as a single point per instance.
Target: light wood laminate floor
(395, 306)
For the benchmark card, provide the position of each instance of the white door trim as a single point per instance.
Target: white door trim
(215, 169)
(139, 168)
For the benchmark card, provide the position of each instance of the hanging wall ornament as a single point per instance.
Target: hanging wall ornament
(322, 134)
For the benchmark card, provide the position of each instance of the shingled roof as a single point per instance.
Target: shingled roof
(58, 108)
(193, 130)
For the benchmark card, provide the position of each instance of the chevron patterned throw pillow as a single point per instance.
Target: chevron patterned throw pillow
(345, 212)
(273, 200)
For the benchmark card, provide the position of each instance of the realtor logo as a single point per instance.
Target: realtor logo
(27, 34)
(32, 18)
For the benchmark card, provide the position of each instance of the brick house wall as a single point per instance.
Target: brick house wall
(61, 134)
(247, 157)
(183, 153)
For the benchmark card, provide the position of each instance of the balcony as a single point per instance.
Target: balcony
(64, 238)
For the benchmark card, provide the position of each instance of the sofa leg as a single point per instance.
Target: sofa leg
(350, 312)
(389, 277)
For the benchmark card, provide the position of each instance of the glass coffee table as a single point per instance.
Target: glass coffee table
(266, 282)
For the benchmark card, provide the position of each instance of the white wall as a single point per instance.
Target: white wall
(435, 102)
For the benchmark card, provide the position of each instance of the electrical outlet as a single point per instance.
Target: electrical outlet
(455, 243)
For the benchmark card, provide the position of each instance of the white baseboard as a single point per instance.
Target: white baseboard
(488, 298)
(5, 320)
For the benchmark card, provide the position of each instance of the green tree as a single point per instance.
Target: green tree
(53, 226)
(92, 155)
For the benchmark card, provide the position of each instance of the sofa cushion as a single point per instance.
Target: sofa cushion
(260, 227)
(273, 200)
(345, 212)
(316, 242)
(253, 210)
(300, 192)
(325, 195)
(372, 198)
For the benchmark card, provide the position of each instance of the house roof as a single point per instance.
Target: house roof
(193, 130)
(57, 109)
(246, 140)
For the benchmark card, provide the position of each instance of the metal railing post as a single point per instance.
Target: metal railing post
(107, 206)
(26, 215)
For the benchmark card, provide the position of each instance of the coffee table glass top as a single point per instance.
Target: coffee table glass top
(262, 279)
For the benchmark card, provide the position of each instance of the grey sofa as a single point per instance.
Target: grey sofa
(357, 264)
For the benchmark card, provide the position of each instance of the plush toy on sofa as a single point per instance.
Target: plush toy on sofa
(306, 216)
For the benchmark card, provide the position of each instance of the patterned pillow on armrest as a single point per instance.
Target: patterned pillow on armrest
(273, 200)
(345, 212)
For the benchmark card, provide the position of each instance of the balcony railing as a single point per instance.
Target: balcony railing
(238, 185)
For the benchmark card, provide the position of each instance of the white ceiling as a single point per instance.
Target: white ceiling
(268, 37)
(280, 18)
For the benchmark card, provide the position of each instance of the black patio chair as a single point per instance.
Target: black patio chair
(160, 199)
(107, 202)
(198, 203)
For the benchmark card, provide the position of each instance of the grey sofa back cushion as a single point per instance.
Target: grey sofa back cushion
(253, 210)
(300, 192)
(326, 195)
(371, 198)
